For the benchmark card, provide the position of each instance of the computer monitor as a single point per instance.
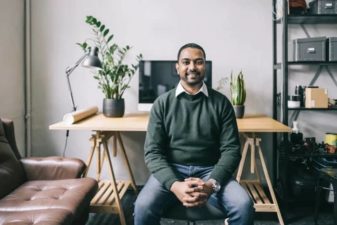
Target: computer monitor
(159, 76)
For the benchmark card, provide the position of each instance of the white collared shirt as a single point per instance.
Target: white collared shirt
(180, 89)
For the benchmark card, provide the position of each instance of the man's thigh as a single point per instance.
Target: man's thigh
(232, 194)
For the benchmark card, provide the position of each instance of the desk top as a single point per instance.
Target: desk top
(258, 123)
(139, 121)
(129, 122)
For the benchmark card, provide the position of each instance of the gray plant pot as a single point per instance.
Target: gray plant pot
(113, 107)
(239, 111)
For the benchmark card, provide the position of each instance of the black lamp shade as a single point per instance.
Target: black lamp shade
(92, 59)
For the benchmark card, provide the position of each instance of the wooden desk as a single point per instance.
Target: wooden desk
(106, 128)
(108, 197)
(248, 127)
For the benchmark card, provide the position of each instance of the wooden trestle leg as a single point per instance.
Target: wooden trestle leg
(108, 197)
(254, 187)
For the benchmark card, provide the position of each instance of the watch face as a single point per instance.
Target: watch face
(216, 187)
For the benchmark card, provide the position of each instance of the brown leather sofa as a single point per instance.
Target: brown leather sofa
(41, 191)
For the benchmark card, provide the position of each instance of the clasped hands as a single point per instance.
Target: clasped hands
(192, 192)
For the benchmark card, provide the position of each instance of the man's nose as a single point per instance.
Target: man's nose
(191, 66)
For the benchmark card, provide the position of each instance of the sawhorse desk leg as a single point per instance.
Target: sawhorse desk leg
(254, 187)
(108, 197)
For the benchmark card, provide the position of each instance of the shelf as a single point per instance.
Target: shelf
(312, 62)
(278, 66)
(104, 200)
(311, 19)
(261, 202)
(314, 109)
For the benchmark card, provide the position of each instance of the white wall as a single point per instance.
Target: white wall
(235, 34)
(12, 65)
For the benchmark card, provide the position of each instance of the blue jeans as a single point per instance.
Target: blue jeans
(154, 198)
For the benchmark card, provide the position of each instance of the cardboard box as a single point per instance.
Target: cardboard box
(316, 98)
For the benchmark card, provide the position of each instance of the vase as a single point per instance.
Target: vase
(239, 111)
(113, 107)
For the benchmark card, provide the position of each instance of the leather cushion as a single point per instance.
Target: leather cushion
(73, 195)
(36, 217)
(52, 168)
(11, 170)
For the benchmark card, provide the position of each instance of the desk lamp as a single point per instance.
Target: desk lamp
(89, 60)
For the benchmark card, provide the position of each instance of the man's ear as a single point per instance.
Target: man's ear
(177, 68)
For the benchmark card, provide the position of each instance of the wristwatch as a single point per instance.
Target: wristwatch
(215, 185)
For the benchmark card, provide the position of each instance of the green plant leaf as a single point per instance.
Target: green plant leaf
(94, 20)
(88, 19)
(106, 32)
(110, 38)
(83, 45)
(102, 28)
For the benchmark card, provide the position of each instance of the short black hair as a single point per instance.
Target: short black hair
(191, 45)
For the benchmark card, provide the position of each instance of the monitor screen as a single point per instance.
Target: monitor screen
(157, 77)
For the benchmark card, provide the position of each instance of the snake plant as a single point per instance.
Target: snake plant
(237, 88)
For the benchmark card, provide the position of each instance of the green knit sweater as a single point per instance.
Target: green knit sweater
(192, 130)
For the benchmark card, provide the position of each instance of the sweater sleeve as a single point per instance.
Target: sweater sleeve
(230, 147)
(155, 148)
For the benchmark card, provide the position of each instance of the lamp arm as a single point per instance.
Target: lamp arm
(69, 71)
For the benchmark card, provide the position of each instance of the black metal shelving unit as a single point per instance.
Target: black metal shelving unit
(281, 68)
(285, 63)
(281, 111)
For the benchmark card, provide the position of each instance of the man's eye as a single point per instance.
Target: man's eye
(186, 62)
(199, 62)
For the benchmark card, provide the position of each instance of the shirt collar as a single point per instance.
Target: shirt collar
(180, 89)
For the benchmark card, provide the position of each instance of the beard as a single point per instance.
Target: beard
(194, 78)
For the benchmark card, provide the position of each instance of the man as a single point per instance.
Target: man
(192, 148)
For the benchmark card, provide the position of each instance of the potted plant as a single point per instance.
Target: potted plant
(115, 75)
(238, 94)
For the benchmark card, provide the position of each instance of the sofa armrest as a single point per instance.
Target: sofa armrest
(52, 168)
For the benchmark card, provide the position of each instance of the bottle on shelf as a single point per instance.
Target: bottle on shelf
(299, 91)
(296, 137)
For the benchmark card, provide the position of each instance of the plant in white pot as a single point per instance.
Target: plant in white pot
(238, 94)
(115, 75)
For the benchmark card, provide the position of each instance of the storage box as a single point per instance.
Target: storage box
(316, 98)
(323, 7)
(310, 49)
(333, 49)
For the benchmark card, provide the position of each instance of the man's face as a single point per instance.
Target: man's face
(191, 67)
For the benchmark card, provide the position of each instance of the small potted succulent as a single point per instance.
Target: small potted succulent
(238, 94)
(115, 75)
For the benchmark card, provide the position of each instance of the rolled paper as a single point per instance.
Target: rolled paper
(71, 118)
